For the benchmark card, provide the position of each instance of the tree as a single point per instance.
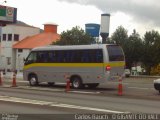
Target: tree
(134, 48)
(132, 45)
(120, 36)
(75, 36)
(151, 56)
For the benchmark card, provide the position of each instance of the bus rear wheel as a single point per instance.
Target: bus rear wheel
(33, 80)
(77, 83)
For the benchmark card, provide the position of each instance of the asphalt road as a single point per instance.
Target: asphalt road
(139, 96)
(89, 101)
(133, 87)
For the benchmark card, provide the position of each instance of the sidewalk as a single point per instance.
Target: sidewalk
(9, 75)
(145, 76)
(19, 76)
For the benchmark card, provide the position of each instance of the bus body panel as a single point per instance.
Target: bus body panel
(89, 72)
(56, 72)
(116, 61)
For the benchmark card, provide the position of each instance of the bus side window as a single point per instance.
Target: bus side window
(65, 56)
(45, 57)
(60, 57)
(42, 57)
(52, 56)
(92, 56)
(39, 57)
(72, 56)
(85, 56)
(99, 56)
(77, 55)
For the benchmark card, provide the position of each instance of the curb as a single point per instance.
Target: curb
(144, 76)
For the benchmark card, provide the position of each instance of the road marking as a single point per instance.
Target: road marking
(54, 104)
(59, 90)
(86, 108)
(34, 88)
(84, 92)
(141, 88)
(38, 88)
(55, 90)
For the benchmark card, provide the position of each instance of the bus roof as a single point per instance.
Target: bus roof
(70, 47)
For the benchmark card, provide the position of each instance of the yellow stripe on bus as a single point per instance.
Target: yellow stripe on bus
(115, 64)
(112, 64)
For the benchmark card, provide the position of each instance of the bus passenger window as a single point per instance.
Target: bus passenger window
(66, 56)
(99, 56)
(43, 57)
(52, 57)
(72, 56)
(39, 57)
(85, 56)
(92, 56)
(60, 57)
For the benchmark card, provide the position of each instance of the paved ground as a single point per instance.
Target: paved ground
(133, 87)
(9, 75)
(142, 78)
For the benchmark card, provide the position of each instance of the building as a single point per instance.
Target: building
(17, 41)
(10, 35)
(45, 38)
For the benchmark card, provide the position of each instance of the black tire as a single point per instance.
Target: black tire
(93, 85)
(33, 80)
(77, 82)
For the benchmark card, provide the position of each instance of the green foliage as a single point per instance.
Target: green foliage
(151, 44)
(75, 36)
(136, 49)
(146, 50)
(120, 36)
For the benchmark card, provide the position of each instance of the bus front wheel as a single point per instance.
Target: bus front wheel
(33, 80)
(77, 83)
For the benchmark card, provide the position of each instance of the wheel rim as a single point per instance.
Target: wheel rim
(76, 84)
(33, 81)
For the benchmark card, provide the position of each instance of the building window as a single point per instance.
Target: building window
(9, 37)
(4, 37)
(8, 60)
(20, 50)
(16, 37)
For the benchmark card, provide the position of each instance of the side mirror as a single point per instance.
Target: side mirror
(24, 59)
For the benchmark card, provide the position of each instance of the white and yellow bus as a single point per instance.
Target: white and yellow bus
(85, 64)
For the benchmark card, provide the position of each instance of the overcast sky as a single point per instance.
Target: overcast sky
(142, 15)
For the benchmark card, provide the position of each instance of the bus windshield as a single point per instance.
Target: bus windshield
(31, 58)
(115, 53)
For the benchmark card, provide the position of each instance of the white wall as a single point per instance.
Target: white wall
(24, 31)
(20, 58)
(6, 46)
